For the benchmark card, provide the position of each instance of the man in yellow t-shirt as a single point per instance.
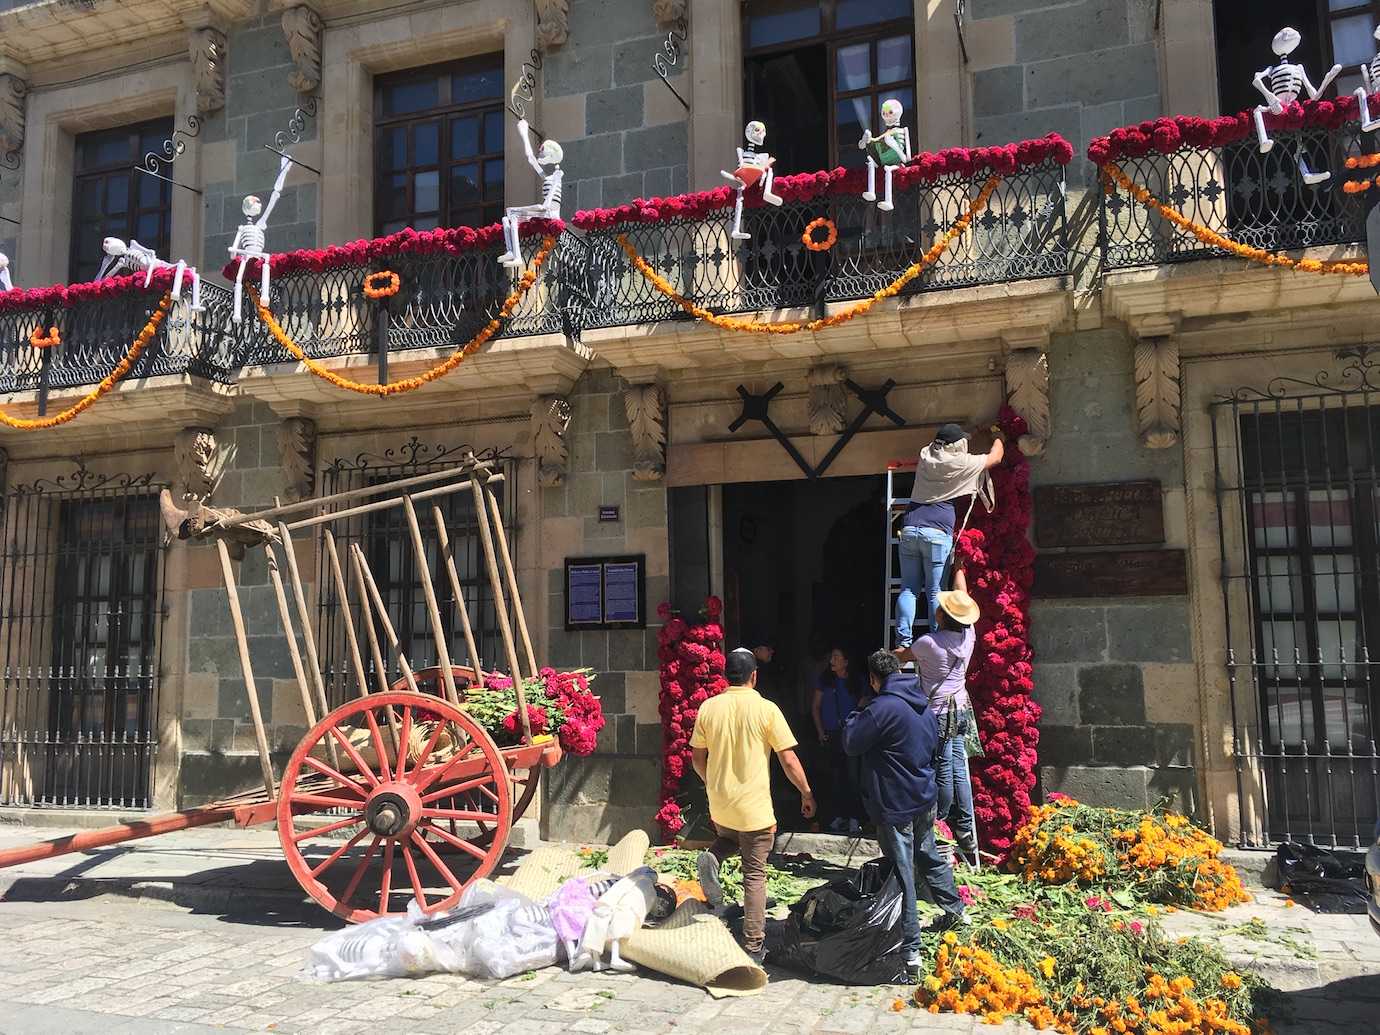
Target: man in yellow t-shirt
(735, 735)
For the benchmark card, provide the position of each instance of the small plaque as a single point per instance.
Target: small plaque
(1116, 573)
(608, 512)
(1111, 514)
(606, 592)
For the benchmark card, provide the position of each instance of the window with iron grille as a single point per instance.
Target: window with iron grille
(111, 199)
(825, 63)
(438, 134)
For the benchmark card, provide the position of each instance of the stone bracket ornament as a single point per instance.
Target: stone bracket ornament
(302, 28)
(553, 23)
(1027, 391)
(645, 406)
(13, 90)
(208, 53)
(550, 422)
(828, 399)
(195, 457)
(1157, 392)
(297, 455)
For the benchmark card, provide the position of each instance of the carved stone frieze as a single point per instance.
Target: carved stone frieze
(1157, 392)
(194, 454)
(828, 399)
(13, 90)
(208, 53)
(302, 28)
(553, 23)
(645, 406)
(297, 454)
(550, 421)
(1027, 391)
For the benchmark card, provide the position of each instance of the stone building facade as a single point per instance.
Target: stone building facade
(1136, 690)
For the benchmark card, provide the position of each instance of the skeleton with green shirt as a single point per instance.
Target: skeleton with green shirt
(889, 150)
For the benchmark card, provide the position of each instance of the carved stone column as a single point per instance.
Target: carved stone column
(297, 455)
(302, 28)
(207, 46)
(1027, 392)
(645, 406)
(553, 23)
(550, 420)
(14, 87)
(828, 400)
(1157, 392)
(194, 454)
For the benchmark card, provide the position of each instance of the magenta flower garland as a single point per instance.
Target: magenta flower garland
(64, 296)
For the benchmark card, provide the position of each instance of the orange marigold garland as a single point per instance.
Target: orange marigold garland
(1208, 236)
(382, 284)
(831, 234)
(731, 323)
(1362, 161)
(441, 369)
(39, 340)
(107, 383)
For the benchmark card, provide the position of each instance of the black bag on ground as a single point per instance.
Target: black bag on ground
(841, 933)
(1331, 882)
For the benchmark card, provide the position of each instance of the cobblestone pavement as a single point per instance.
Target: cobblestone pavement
(112, 967)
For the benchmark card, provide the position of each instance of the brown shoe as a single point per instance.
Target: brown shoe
(903, 654)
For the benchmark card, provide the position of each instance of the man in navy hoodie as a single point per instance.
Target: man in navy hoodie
(896, 737)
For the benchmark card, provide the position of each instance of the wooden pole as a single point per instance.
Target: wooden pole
(438, 629)
(273, 576)
(366, 612)
(507, 558)
(378, 505)
(443, 537)
(304, 615)
(247, 667)
(505, 629)
(388, 629)
(351, 640)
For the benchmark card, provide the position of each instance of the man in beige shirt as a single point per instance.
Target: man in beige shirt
(735, 736)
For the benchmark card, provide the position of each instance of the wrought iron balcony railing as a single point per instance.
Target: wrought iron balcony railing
(1254, 199)
(1021, 234)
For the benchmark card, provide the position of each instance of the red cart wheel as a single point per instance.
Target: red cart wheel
(360, 838)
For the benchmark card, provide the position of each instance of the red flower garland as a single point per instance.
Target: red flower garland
(999, 562)
(692, 671)
(923, 168)
(445, 240)
(63, 296)
(1167, 134)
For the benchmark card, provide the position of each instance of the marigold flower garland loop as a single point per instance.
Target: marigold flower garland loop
(831, 234)
(39, 340)
(1111, 173)
(440, 370)
(382, 284)
(107, 383)
(730, 323)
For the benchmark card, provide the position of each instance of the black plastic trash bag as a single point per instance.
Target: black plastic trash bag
(1331, 882)
(840, 933)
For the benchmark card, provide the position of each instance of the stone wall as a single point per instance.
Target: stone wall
(1114, 675)
(615, 790)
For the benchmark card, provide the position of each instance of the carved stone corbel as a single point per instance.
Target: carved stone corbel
(194, 454)
(302, 27)
(1027, 392)
(553, 23)
(668, 12)
(13, 89)
(550, 421)
(828, 399)
(208, 53)
(1157, 392)
(645, 406)
(297, 455)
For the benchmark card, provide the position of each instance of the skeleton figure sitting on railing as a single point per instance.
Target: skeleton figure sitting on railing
(753, 165)
(891, 148)
(135, 257)
(5, 283)
(1370, 78)
(249, 237)
(1281, 84)
(550, 205)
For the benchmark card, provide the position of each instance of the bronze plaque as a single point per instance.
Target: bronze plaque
(1116, 573)
(1110, 514)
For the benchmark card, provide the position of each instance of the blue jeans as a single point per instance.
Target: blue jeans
(911, 849)
(956, 791)
(924, 551)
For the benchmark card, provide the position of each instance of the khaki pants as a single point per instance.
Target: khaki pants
(754, 846)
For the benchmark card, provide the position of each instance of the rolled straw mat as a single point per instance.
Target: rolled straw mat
(550, 866)
(694, 946)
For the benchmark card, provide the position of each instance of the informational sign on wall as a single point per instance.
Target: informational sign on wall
(606, 592)
(1109, 514)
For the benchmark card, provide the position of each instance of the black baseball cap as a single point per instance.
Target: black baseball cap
(739, 666)
(948, 434)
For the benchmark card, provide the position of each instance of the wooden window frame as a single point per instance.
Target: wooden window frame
(84, 179)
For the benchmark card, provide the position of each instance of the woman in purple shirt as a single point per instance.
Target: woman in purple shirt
(941, 659)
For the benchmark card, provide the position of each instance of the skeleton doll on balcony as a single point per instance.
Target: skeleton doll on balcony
(753, 165)
(549, 207)
(137, 258)
(250, 238)
(1281, 84)
(891, 150)
(1370, 80)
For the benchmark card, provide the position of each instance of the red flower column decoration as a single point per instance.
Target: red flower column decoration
(692, 671)
(999, 562)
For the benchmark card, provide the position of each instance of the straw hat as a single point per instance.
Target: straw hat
(959, 606)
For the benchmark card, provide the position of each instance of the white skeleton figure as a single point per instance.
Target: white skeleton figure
(618, 914)
(892, 147)
(1281, 84)
(5, 283)
(549, 207)
(1370, 78)
(135, 257)
(249, 237)
(753, 165)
